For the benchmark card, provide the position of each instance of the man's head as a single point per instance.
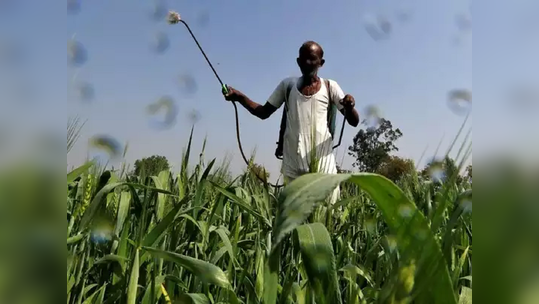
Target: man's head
(311, 58)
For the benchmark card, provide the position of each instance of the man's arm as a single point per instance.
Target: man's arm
(261, 111)
(258, 110)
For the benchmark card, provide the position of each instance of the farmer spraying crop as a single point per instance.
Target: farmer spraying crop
(306, 143)
(308, 123)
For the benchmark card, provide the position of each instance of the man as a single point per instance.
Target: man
(307, 139)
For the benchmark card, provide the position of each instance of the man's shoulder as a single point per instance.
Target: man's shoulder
(331, 82)
(289, 81)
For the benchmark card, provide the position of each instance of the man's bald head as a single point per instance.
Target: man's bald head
(311, 46)
(311, 58)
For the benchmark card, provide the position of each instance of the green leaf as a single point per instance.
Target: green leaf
(414, 237)
(259, 268)
(123, 211)
(238, 201)
(193, 298)
(96, 203)
(133, 280)
(319, 262)
(111, 258)
(199, 194)
(271, 280)
(205, 271)
(96, 297)
(152, 238)
(88, 288)
(465, 295)
(299, 293)
(147, 298)
(101, 296)
(161, 182)
(460, 265)
(157, 190)
(71, 176)
(297, 200)
(352, 271)
(75, 239)
(226, 241)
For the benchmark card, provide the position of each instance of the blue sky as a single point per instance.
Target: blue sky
(253, 45)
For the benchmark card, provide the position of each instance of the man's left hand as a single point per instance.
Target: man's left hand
(348, 102)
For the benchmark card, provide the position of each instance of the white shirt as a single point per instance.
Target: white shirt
(307, 137)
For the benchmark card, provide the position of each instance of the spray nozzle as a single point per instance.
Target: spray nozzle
(173, 17)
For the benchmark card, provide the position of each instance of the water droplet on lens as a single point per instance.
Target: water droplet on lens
(391, 243)
(403, 16)
(378, 27)
(102, 231)
(194, 116)
(73, 6)
(373, 117)
(188, 84)
(321, 262)
(160, 43)
(77, 55)
(436, 171)
(167, 105)
(384, 25)
(203, 18)
(159, 12)
(456, 40)
(406, 210)
(460, 101)
(421, 235)
(466, 205)
(85, 92)
(105, 144)
(370, 225)
(463, 22)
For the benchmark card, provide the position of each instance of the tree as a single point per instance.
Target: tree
(151, 166)
(394, 167)
(469, 171)
(373, 145)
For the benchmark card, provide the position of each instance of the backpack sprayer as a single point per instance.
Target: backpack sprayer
(174, 18)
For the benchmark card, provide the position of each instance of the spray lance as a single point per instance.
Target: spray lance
(174, 18)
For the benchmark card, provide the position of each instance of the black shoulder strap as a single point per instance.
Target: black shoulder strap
(288, 90)
(279, 151)
(328, 87)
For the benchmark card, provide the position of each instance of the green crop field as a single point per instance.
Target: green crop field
(200, 236)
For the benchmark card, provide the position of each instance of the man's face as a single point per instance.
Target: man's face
(309, 61)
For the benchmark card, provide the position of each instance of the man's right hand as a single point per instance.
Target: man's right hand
(233, 94)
